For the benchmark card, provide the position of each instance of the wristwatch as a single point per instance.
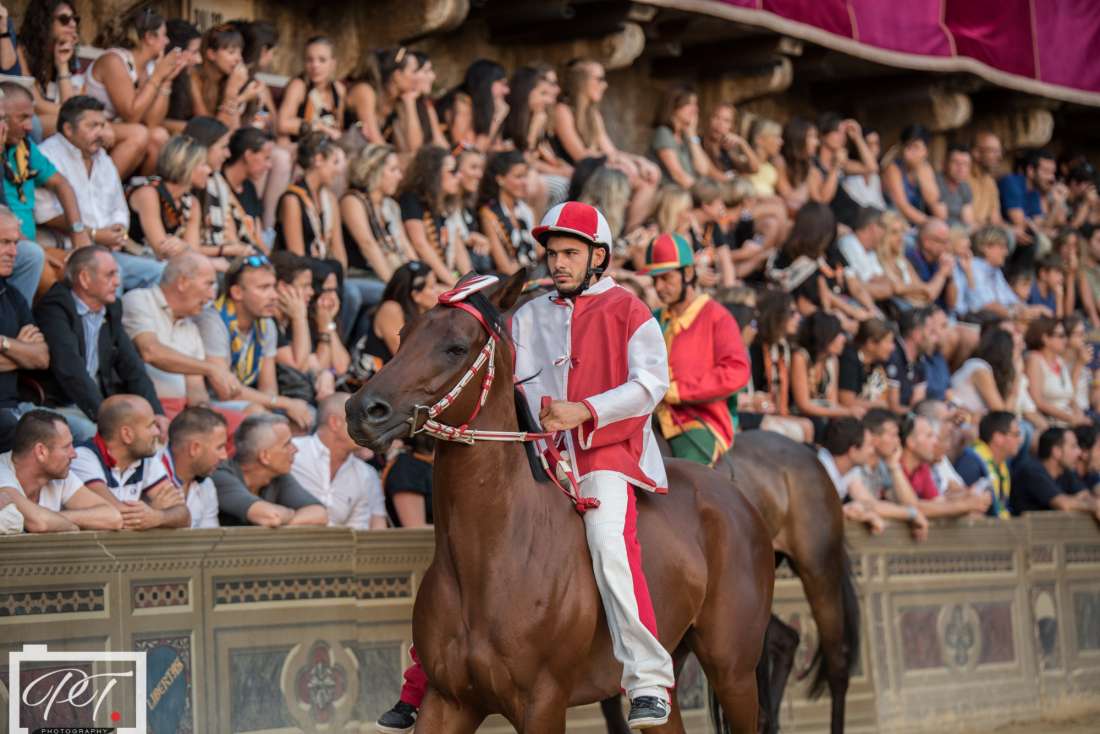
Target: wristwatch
(77, 227)
(4, 344)
(912, 512)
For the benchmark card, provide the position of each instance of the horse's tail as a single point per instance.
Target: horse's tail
(849, 601)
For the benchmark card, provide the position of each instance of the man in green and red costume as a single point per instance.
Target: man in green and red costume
(707, 360)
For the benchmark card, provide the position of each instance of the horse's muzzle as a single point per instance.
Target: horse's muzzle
(371, 422)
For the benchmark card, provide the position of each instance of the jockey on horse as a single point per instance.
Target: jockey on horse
(707, 360)
(594, 367)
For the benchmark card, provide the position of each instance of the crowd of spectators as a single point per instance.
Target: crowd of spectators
(196, 270)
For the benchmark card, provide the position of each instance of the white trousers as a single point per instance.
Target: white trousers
(617, 562)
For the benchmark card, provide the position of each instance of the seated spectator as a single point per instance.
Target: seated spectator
(860, 250)
(677, 147)
(766, 137)
(885, 478)
(218, 236)
(1035, 481)
(407, 480)
(120, 465)
(814, 369)
(833, 163)
(22, 345)
(412, 291)
(983, 183)
(35, 477)
(990, 291)
(46, 51)
(1067, 246)
(934, 264)
(579, 132)
(932, 364)
(425, 108)
(1049, 287)
(249, 161)
(989, 380)
(327, 467)
(361, 118)
(77, 153)
(1087, 473)
(1049, 377)
(261, 38)
(374, 236)
(398, 92)
(196, 445)
(309, 214)
(1079, 357)
(863, 381)
(909, 181)
(846, 448)
(255, 487)
(939, 490)
(531, 99)
(1022, 200)
(181, 106)
(164, 217)
(161, 322)
(983, 466)
(729, 153)
(753, 227)
(505, 216)
(238, 333)
(484, 91)
(865, 189)
(916, 339)
(425, 208)
(133, 79)
(91, 357)
(908, 287)
(954, 187)
(714, 264)
(1088, 282)
(464, 223)
(220, 85)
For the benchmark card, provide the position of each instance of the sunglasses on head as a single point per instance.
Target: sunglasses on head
(252, 261)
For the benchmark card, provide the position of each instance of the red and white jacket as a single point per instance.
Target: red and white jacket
(604, 349)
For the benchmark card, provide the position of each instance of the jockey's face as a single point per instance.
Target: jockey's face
(669, 286)
(567, 261)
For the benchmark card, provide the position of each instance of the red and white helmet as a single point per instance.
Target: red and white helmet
(583, 221)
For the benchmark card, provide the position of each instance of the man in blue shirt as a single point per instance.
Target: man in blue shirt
(933, 262)
(1036, 483)
(937, 375)
(1022, 194)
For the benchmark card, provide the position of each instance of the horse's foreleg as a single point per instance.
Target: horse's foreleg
(613, 717)
(439, 715)
(544, 711)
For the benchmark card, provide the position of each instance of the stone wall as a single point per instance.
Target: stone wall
(250, 630)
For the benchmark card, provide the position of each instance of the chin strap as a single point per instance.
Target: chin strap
(684, 284)
(591, 274)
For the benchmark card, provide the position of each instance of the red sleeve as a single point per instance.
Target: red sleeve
(729, 371)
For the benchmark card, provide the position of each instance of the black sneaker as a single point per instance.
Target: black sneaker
(399, 720)
(648, 711)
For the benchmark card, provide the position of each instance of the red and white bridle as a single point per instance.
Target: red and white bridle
(557, 467)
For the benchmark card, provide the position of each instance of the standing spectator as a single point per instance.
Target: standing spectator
(1035, 482)
(1049, 377)
(1023, 199)
(238, 334)
(864, 380)
(506, 217)
(429, 188)
(676, 146)
(933, 262)
(28, 169)
(860, 250)
(886, 480)
(161, 321)
(918, 442)
(952, 499)
(197, 439)
(984, 466)
(46, 51)
(905, 369)
(326, 466)
(255, 487)
(35, 477)
(374, 236)
(133, 79)
(120, 466)
(164, 216)
(983, 181)
(91, 357)
(954, 186)
(910, 183)
(578, 132)
(77, 152)
(22, 345)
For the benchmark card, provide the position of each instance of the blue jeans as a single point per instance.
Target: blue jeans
(30, 258)
(83, 428)
(358, 292)
(136, 271)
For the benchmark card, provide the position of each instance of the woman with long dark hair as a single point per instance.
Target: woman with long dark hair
(676, 144)
(249, 161)
(770, 355)
(990, 380)
(219, 237)
(533, 93)
(815, 371)
(187, 38)
(411, 291)
(399, 88)
(506, 218)
(222, 85)
(800, 144)
(486, 88)
(48, 39)
(429, 196)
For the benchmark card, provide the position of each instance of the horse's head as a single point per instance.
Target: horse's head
(437, 349)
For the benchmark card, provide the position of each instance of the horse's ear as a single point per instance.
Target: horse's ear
(507, 293)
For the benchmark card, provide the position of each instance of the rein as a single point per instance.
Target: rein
(557, 467)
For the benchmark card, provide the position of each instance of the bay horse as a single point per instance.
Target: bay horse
(508, 619)
(800, 506)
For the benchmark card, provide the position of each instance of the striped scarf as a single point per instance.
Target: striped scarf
(17, 167)
(999, 478)
(244, 348)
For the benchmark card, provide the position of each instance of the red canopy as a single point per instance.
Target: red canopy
(1046, 47)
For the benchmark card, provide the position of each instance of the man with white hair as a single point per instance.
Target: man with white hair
(255, 487)
(327, 467)
(161, 322)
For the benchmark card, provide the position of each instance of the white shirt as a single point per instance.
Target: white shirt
(52, 496)
(201, 497)
(145, 310)
(127, 484)
(833, 470)
(862, 263)
(99, 195)
(352, 497)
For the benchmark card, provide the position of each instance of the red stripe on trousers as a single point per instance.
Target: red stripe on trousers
(634, 556)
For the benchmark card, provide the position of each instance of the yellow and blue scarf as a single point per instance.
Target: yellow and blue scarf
(244, 348)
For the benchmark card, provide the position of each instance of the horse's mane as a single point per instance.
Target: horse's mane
(498, 324)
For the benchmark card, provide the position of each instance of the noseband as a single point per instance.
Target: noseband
(557, 467)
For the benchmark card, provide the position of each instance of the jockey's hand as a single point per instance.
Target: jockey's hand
(561, 415)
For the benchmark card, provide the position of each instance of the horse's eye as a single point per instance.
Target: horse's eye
(456, 350)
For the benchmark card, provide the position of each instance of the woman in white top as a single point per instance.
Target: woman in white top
(133, 79)
(1050, 378)
(1079, 355)
(989, 380)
